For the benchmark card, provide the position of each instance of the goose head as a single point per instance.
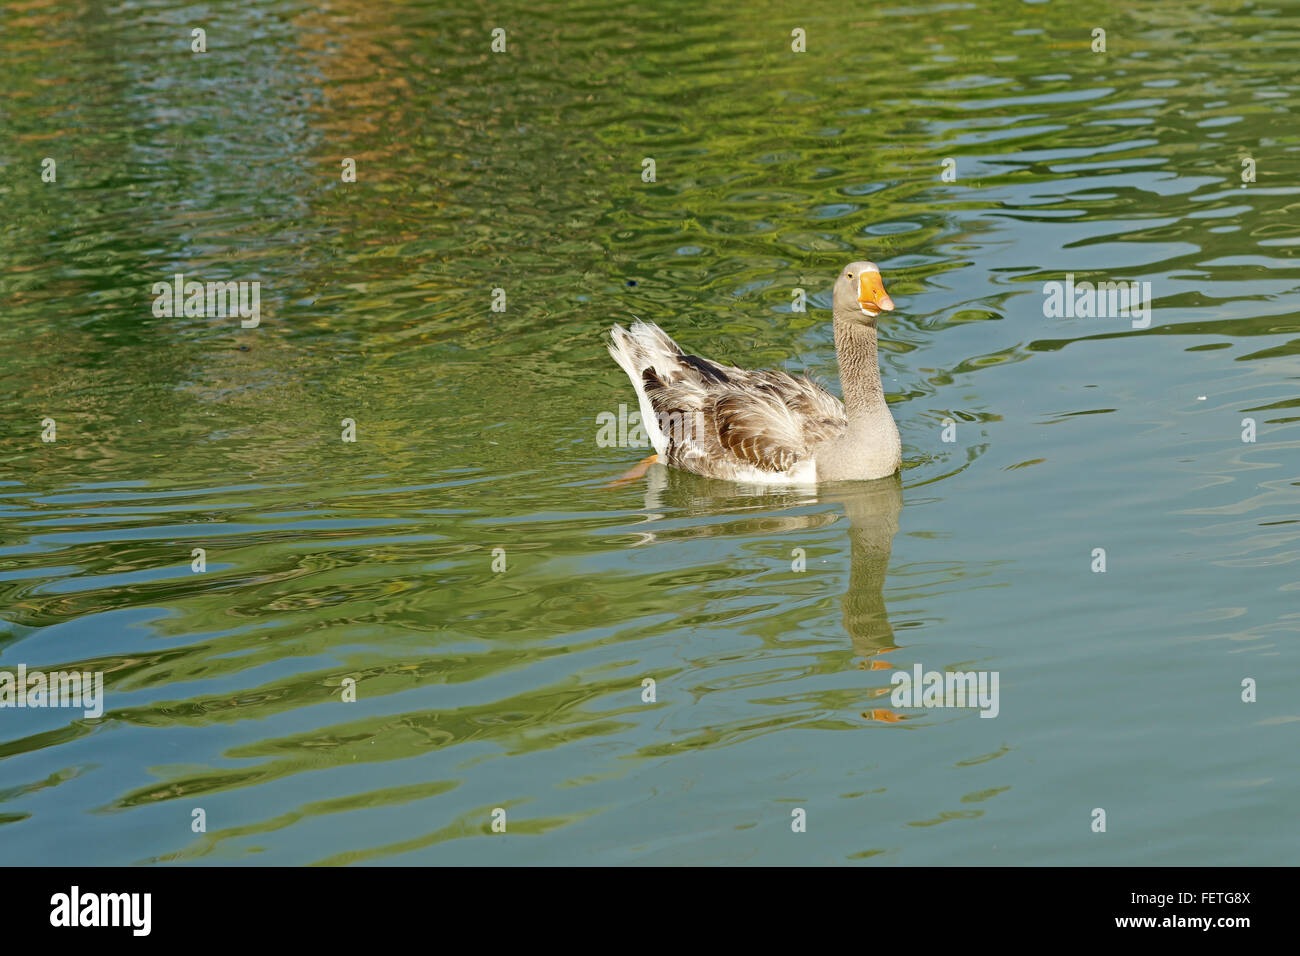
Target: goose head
(859, 294)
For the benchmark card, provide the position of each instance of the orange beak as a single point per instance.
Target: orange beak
(872, 296)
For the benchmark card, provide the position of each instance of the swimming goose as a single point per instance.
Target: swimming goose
(769, 427)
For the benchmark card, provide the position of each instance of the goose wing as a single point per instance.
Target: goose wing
(722, 420)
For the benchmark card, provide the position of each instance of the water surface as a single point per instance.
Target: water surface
(522, 689)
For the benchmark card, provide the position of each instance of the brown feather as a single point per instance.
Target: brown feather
(718, 418)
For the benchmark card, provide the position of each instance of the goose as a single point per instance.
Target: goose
(769, 427)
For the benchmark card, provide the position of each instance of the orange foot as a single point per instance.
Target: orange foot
(635, 472)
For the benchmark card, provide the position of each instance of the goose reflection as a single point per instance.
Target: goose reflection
(872, 508)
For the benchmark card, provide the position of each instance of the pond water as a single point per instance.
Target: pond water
(466, 561)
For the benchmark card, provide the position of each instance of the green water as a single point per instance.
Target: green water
(476, 430)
